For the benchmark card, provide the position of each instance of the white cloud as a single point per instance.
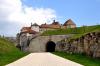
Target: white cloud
(38, 15)
(12, 11)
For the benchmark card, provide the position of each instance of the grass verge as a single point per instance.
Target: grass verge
(79, 58)
(8, 52)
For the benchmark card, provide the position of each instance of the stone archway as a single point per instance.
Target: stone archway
(50, 46)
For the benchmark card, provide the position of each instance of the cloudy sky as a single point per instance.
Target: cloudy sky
(15, 14)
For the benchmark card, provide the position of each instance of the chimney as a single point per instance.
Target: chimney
(53, 20)
(31, 24)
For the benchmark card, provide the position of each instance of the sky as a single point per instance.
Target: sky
(15, 14)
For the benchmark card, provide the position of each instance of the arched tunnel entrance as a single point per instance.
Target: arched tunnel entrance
(50, 46)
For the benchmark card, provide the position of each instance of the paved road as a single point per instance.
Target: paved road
(43, 59)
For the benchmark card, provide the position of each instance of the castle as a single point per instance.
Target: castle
(28, 33)
(34, 28)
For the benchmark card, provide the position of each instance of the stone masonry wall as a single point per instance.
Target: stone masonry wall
(88, 44)
(39, 43)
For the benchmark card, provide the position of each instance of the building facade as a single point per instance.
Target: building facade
(56, 25)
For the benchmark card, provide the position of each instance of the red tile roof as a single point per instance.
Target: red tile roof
(28, 30)
(44, 26)
(69, 22)
(25, 28)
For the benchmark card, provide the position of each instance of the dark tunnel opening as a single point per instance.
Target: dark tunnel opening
(50, 46)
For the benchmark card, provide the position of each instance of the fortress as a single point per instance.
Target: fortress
(34, 28)
(28, 33)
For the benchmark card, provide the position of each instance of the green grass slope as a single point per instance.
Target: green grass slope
(8, 52)
(79, 58)
(78, 30)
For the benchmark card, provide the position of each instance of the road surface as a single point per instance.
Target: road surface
(43, 59)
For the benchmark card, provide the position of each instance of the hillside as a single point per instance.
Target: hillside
(79, 31)
(8, 52)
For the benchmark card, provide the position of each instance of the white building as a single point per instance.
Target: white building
(26, 34)
(35, 27)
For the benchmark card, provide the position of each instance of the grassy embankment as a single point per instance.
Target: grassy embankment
(79, 58)
(8, 52)
(78, 32)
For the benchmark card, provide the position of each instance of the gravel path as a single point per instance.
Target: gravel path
(43, 59)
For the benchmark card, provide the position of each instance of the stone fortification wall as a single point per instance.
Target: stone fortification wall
(88, 44)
